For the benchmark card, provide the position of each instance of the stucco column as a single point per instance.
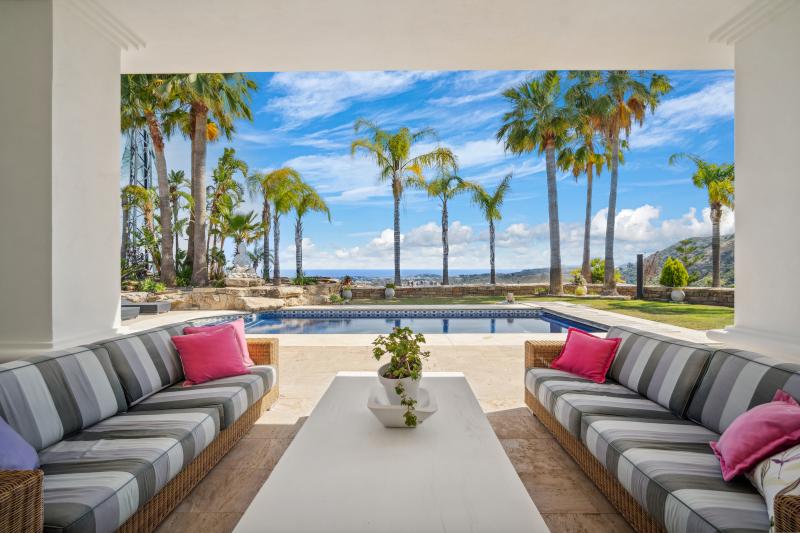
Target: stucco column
(767, 316)
(59, 179)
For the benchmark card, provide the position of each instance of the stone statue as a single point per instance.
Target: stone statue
(242, 268)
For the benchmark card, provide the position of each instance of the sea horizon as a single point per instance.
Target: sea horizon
(389, 273)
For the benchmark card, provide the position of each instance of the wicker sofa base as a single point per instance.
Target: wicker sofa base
(151, 514)
(628, 507)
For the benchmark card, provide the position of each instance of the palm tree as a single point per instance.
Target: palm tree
(538, 121)
(490, 205)
(586, 116)
(625, 98)
(144, 199)
(177, 191)
(225, 97)
(265, 185)
(392, 153)
(718, 181)
(284, 198)
(143, 98)
(446, 186)
(307, 201)
(225, 192)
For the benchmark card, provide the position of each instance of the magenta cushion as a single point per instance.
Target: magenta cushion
(15, 452)
(238, 326)
(759, 433)
(210, 355)
(586, 355)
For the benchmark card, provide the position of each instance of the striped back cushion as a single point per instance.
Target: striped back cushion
(146, 362)
(663, 369)
(49, 397)
(737, 381)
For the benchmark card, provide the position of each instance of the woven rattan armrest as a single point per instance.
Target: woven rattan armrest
(787, 514)
(539, 354)
(21, 508)
(263, 350)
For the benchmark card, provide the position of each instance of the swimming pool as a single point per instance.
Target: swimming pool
(421, 321)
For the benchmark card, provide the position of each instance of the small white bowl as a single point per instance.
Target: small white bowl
(392, 416)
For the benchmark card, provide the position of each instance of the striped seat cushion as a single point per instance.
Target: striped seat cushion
(737, 381)
(669, 468)
(569, 397)
(48, 397)
(231, 396)
(660, 368)
(146, 362)
(97, 479)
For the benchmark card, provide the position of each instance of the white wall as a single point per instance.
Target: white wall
(767, 141)
(59, 175)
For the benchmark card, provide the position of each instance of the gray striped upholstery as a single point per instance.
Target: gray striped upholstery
(737, 381)
(146, 362)
(668, 467)
(46, 398)
(97, 479)
(660, 368)
(231, 396)
(569, 397)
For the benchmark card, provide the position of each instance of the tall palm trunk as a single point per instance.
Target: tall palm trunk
(276, 239)
(167, 258)
(123, 252)
(396, 236)
(586, 265)
(298, 246)
(175, 232)
(190, 226)
(716, 215)
(445, 245)
(492, 278)
(556, 287)
(266, 216)
(609, 283)
(199, 263)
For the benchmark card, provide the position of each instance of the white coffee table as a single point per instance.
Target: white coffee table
(345, 472)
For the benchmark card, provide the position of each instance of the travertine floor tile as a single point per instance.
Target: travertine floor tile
(586, 523)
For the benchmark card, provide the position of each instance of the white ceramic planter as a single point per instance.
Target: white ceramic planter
(410, 385)
(677, 295)
(388, 293)
(347, 294)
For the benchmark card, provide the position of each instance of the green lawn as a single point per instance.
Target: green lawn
(686, 315)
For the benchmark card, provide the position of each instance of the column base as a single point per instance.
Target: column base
(778, 345)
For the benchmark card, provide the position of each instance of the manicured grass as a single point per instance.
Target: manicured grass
(691, 316)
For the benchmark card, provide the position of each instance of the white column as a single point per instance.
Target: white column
(767, 316)
(59, 172)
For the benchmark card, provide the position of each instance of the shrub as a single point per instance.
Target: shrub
(347, 281)
(578, 279)
(390, 285)
(304, 280)
(151, 285)
(335, 299)
(673, 274)
(599, 271)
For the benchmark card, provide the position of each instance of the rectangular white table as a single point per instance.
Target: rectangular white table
(345, 472)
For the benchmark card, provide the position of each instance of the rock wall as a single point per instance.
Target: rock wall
(695, 295)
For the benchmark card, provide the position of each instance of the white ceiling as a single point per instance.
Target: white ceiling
(280, 35)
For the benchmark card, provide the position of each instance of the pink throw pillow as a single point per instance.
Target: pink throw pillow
(586, 355)
(238, 326)
(210, 355)
(759, 433)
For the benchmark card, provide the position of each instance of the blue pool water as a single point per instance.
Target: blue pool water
(421, 321)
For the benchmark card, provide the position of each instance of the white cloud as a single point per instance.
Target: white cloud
(452, 101)
(320, 94)
(676, 117)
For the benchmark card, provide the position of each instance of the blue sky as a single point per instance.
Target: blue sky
(305, 120)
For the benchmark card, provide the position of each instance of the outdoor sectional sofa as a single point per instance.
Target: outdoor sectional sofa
(121, 442)
(642, 436)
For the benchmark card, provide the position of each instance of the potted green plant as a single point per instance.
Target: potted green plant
(674, 275)
(388, 291)
(347, 286)
(401, 375)
(580, 284)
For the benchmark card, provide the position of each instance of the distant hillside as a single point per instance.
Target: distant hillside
(529, 275)
(701, 269)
